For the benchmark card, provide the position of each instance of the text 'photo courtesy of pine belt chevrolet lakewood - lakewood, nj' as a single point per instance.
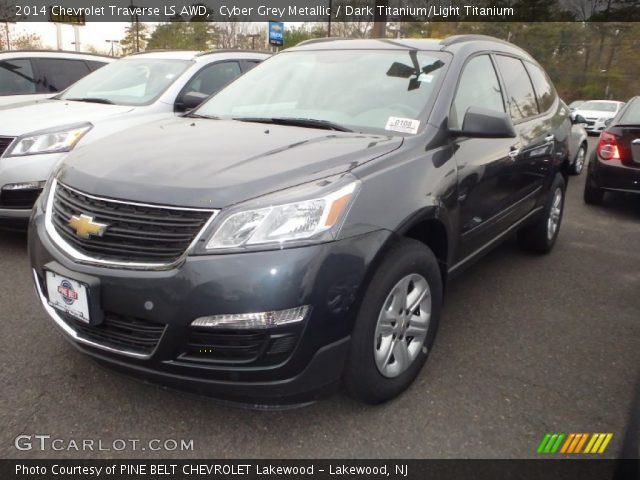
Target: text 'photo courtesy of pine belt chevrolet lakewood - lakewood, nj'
(262, 229)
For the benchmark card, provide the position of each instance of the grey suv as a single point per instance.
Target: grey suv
(299, 227)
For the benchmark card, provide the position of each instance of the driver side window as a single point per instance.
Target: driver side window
(213, 78)
(478, 87)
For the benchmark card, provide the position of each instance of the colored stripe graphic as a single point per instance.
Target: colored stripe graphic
(551, 442)
(574, 443)
(598, 442)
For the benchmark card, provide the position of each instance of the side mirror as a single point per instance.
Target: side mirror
(484, 123)
(191, 100)
(578, 119)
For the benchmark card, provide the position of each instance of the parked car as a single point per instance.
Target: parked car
(27, 75)
(132, 91)
(597, 112)
(578, 144)
(614, 165)
(575, 104)
(298, 228)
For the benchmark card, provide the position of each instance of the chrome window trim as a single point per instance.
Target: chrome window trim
(67, 329)
(83, 258)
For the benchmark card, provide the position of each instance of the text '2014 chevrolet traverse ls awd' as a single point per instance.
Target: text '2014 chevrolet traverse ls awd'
(298, 227)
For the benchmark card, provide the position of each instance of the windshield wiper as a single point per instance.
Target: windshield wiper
(297, 122)
(199, 115)
(92, 100)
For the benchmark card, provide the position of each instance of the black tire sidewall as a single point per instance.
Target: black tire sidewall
(362, 377)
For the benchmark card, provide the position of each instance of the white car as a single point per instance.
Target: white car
(27, 75)
(597, 112)
(134, 90)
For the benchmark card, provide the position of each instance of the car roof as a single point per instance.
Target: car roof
(463, 44)
(198, 56)
(55, 54)
(603, 101)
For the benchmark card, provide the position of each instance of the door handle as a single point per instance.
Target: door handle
(550, 138)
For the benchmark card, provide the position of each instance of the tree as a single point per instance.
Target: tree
(135, 38)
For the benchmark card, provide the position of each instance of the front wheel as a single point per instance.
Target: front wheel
(540, 236)
(578, 163)
(396, 324)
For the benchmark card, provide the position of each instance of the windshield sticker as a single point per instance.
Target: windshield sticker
(404, 125)
(425, 77)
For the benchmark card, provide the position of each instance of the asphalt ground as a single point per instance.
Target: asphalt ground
(527, 345)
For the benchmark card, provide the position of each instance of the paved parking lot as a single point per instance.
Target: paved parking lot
(527, 345)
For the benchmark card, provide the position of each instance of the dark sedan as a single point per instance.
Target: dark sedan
(615, 163)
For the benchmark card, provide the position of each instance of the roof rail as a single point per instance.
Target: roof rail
(231, 50)
(470, 38)
(44, 50)
(160, 50)
(321, 40)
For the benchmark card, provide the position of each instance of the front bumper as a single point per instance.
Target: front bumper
(16, 170)
(328, 277)
(594, 126)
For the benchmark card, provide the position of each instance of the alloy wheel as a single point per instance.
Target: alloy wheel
(402, 325)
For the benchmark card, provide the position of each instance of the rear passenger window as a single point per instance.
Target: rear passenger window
(544, 90)
(16, 77)
(522, 99)
(479, 87)
(57, 73)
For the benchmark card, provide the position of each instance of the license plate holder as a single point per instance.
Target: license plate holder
(68, 295)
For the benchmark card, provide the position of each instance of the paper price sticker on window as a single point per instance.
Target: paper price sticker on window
(404, 125)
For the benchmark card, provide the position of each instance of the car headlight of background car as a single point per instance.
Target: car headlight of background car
(309, 213)
(49, 141)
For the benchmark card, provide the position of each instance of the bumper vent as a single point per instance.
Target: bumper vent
(19, 199)
(4, 143)
(233, 347)
(122, 333)
(134, 232)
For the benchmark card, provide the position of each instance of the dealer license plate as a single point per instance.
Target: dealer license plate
(68, 295)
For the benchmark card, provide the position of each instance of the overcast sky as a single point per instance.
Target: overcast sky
(95, 33)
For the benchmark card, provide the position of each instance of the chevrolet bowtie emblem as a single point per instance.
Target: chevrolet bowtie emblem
(86, 228)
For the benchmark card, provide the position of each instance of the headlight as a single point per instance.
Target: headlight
(602, 119)
(276, 219)
(49, 141)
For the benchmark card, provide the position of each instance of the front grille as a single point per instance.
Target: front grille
(239, 347)
(4, 143)
(19, 199)
(120, 332)
(134, 233)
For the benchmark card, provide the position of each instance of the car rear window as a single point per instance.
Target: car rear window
(631, 115)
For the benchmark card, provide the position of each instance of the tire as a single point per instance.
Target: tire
(409, 266)
(579, 161)
(592, 194)
(539, 236)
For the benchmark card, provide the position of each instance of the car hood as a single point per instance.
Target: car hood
(16, 120)
(214, 163)
(595, 113)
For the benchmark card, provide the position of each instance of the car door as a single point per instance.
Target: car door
(210, 80)
(483, 163)
(533, 156)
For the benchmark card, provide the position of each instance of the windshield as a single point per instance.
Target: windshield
(354, 89)
(631, 115)
(131, 81)
(600, 106)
